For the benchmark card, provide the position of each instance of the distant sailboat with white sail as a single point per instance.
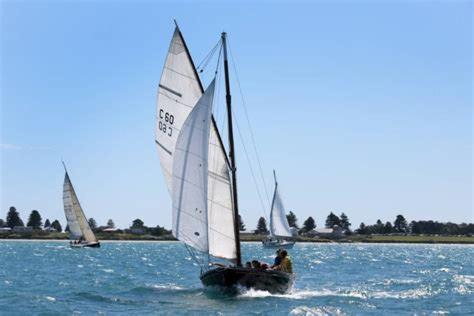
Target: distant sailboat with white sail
(279, 228)
(200, 176)
(80, 233)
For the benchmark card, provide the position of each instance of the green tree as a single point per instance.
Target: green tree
(262, 227)
(309, 224)
(138, 223)
(344, 222)
(332, 220)
(110, 223)
(241, 224)
(13, 218)
(362, 229)
(292, 220)
(379, 227)
(400, 224)
(35, 220)
(2, 222)
(160, 231)
(57, 225)
(388, 228)
(414, 227)
(92, 223)
(67, 229)
(47, 223)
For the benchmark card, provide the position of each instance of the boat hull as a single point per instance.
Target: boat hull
(88, 245)
(275, 282)
(278, 245)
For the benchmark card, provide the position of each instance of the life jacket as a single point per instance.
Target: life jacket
(286, 265)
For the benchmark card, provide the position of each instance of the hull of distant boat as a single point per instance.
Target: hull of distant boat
(88, 245)
(278, 244)
(231, 278)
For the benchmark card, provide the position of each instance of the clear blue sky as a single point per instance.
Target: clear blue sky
(362, 108)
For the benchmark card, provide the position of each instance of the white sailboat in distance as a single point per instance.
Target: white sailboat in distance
(80, 233)
(200, 176)
(279, 228)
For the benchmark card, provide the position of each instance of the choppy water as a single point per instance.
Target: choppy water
(160, 278)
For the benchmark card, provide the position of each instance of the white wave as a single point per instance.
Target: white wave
(316, 311)
(302, 294)
(465, 279)
(413, 294)
(400, 281)
(50, 298)
(169, 286)
(108, 270)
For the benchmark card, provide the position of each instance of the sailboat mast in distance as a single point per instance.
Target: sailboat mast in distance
(231, 150)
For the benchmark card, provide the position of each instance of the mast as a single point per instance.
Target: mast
(233, 167)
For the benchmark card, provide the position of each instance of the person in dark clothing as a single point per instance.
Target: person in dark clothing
(277, 260)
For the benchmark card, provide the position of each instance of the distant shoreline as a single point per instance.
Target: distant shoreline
(373, 239)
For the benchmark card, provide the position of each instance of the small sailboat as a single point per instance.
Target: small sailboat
(279, 228)
(80, 233)
(201, 177)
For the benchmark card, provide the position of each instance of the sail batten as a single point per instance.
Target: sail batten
(178, 93)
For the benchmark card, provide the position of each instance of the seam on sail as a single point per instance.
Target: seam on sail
(221, 205)
(175, 100)
(188, 152)
(181, 74)
(193, 184)
(163, 147)
(218, 176)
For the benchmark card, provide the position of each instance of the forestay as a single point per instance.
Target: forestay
(190, 173)
(178, 92)
(278, 222)
(76, 220)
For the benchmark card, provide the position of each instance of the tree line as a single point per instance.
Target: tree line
(399, 226)
(36, 222)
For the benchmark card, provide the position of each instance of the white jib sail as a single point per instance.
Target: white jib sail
(278, 222)
(76, 220)
(190, 174)
(178, 92)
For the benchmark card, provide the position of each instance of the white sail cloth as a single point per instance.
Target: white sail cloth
(76, 220)
(278, 222)
(178, 92)
(190, 172)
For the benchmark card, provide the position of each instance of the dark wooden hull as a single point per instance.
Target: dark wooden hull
(89, 245)
(275, 282)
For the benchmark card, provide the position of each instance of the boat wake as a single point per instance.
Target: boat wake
(418, 293)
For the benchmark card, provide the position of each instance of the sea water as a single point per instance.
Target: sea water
(140, 278)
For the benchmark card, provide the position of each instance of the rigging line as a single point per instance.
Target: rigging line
(205, 61)
(250, 125)
(250, 166)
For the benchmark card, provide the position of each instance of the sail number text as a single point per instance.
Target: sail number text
(166, 120)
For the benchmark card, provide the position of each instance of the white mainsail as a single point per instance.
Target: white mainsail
(278, 223)
(76, 220)
(190, 172)
(178, 92)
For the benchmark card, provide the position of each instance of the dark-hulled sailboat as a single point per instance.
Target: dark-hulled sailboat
(200, 176)
(80, 233)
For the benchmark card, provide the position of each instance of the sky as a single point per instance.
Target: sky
(361, 107)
